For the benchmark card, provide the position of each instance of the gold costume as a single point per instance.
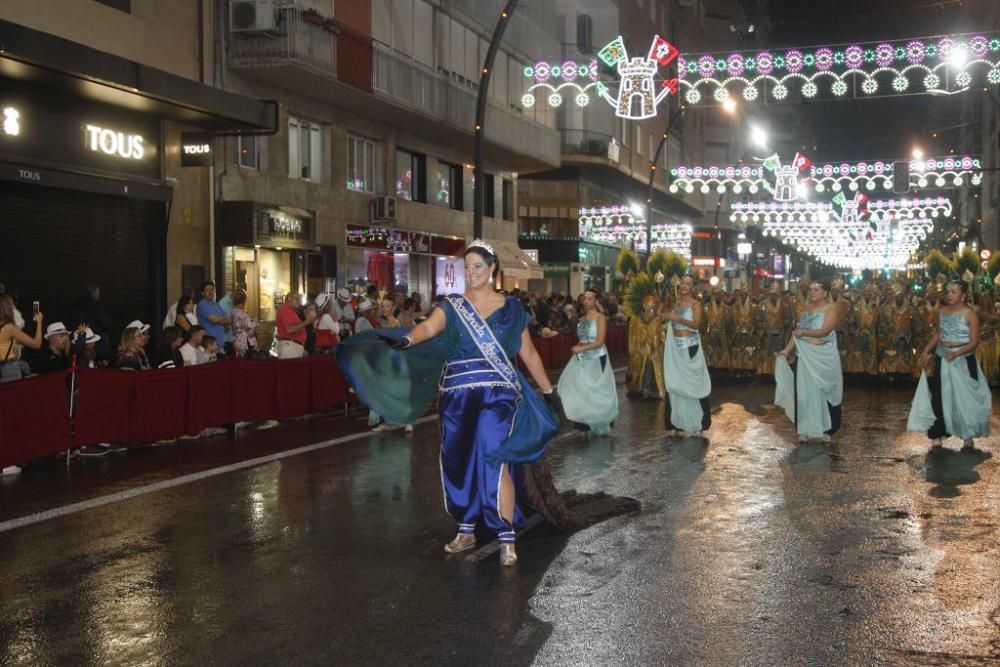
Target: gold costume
(926, 323)
(862, 356)
(716, 334)
(743, 345)
(987, 350)
(895, 334)
(646, 336)
(772, 333)
(845, 323)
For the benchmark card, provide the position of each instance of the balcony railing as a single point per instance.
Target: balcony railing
(301, 40)
(584, 142)
(412, 84)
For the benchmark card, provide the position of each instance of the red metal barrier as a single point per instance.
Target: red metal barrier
(138, 407)
(34, 420)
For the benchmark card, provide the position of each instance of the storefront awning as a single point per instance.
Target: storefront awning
(33, 56)
(515, 263)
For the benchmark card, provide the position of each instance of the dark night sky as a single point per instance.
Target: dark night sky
(884, 127)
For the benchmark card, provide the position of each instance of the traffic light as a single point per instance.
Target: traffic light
(901, 176)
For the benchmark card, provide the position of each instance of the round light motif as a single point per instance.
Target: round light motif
(979, 46)
(527, 101)
(993, 77)
(753, 189)
(958, 181)
(705, 189)
(945, 47)
(932, 81)
(824, 59)
(915, 52)
(737, 188)
(720, 188)
(820, 187)
(870, 185)
(721, 94)
(794, 61)
(693, 96)
(706, 66)
(854, 56)
(682, 67)
(673, 187)
(809, 89)
(838, 88)
(963, 79)
(569, 71)
(750, 93)
(582, 100)
(900, 84)
(885, 54)
(779, 92)
(542, 72)
(765, 62)
(555, 99)
(735, 65)
(939, 182)
(869, 86)
(689, 189)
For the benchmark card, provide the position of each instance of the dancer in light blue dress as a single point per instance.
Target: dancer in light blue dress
(685, 372)
(812, 393)
(955, 399)
(587, 384)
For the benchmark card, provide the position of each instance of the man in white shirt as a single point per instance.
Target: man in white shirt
(343, 312)
(189, 350)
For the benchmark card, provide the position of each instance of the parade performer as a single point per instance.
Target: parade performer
(953, 398)
(491, 419)
(717, 326)
(645, 348)
(684, 368)
(895, 334)
(773, 324)
(811, 394)
(987, 350)
(927, 318)
(800, 302)
(743, 345)
(863, 352)
(587, 384)
(845, 317)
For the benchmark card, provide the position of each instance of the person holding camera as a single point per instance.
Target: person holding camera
(13, 339)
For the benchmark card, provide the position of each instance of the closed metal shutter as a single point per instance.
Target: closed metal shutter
(54, 242)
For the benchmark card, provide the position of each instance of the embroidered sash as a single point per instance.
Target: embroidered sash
(482, 335)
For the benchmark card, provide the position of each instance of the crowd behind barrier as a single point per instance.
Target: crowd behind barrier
(138, 408)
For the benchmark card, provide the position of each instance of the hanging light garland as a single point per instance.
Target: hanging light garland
(623, 225)
(929, 64)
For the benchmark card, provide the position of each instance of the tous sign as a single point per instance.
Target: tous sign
(109, 142)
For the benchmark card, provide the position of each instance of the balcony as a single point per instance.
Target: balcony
(435, 98)
(303, 50)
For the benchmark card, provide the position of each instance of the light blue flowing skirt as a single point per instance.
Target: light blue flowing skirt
(588, 393)
(819, 384)
(687, 382)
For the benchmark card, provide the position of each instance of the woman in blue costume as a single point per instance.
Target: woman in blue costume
(474, 337)
(685, 372)
(587, 384)
(955, 399)
(811, 394)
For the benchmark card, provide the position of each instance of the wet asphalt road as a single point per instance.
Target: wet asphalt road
(750, 550)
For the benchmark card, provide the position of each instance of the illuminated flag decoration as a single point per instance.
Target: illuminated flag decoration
(801, 162)
(662, 51)
(670, 84)
(613, 52)
(771, 163)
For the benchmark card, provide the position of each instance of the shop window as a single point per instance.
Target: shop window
(447, 186)
(248, 151)
(305, 152)
(121, 5)
(508, 199)
(361, 155)
(410, 182)
(489, 196)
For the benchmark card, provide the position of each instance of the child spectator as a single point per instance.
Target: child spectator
(189, 350)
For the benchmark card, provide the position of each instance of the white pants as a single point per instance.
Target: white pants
(289, 349)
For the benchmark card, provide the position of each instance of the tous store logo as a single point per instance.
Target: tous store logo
(117, 144)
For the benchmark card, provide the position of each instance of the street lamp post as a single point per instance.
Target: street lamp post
(481, 99)
(652, 178)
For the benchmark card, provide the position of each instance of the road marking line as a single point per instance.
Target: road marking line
(100, 501)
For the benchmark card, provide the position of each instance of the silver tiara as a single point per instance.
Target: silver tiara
(479, 243)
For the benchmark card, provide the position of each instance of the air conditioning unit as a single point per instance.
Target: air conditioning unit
(383, 208)
(252, 16)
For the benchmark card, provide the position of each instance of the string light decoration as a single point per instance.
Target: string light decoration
(625, 225)
(940, 172)
(635, 95)
(922, 65)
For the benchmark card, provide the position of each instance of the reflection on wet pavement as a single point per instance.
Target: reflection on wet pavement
(750, 549)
